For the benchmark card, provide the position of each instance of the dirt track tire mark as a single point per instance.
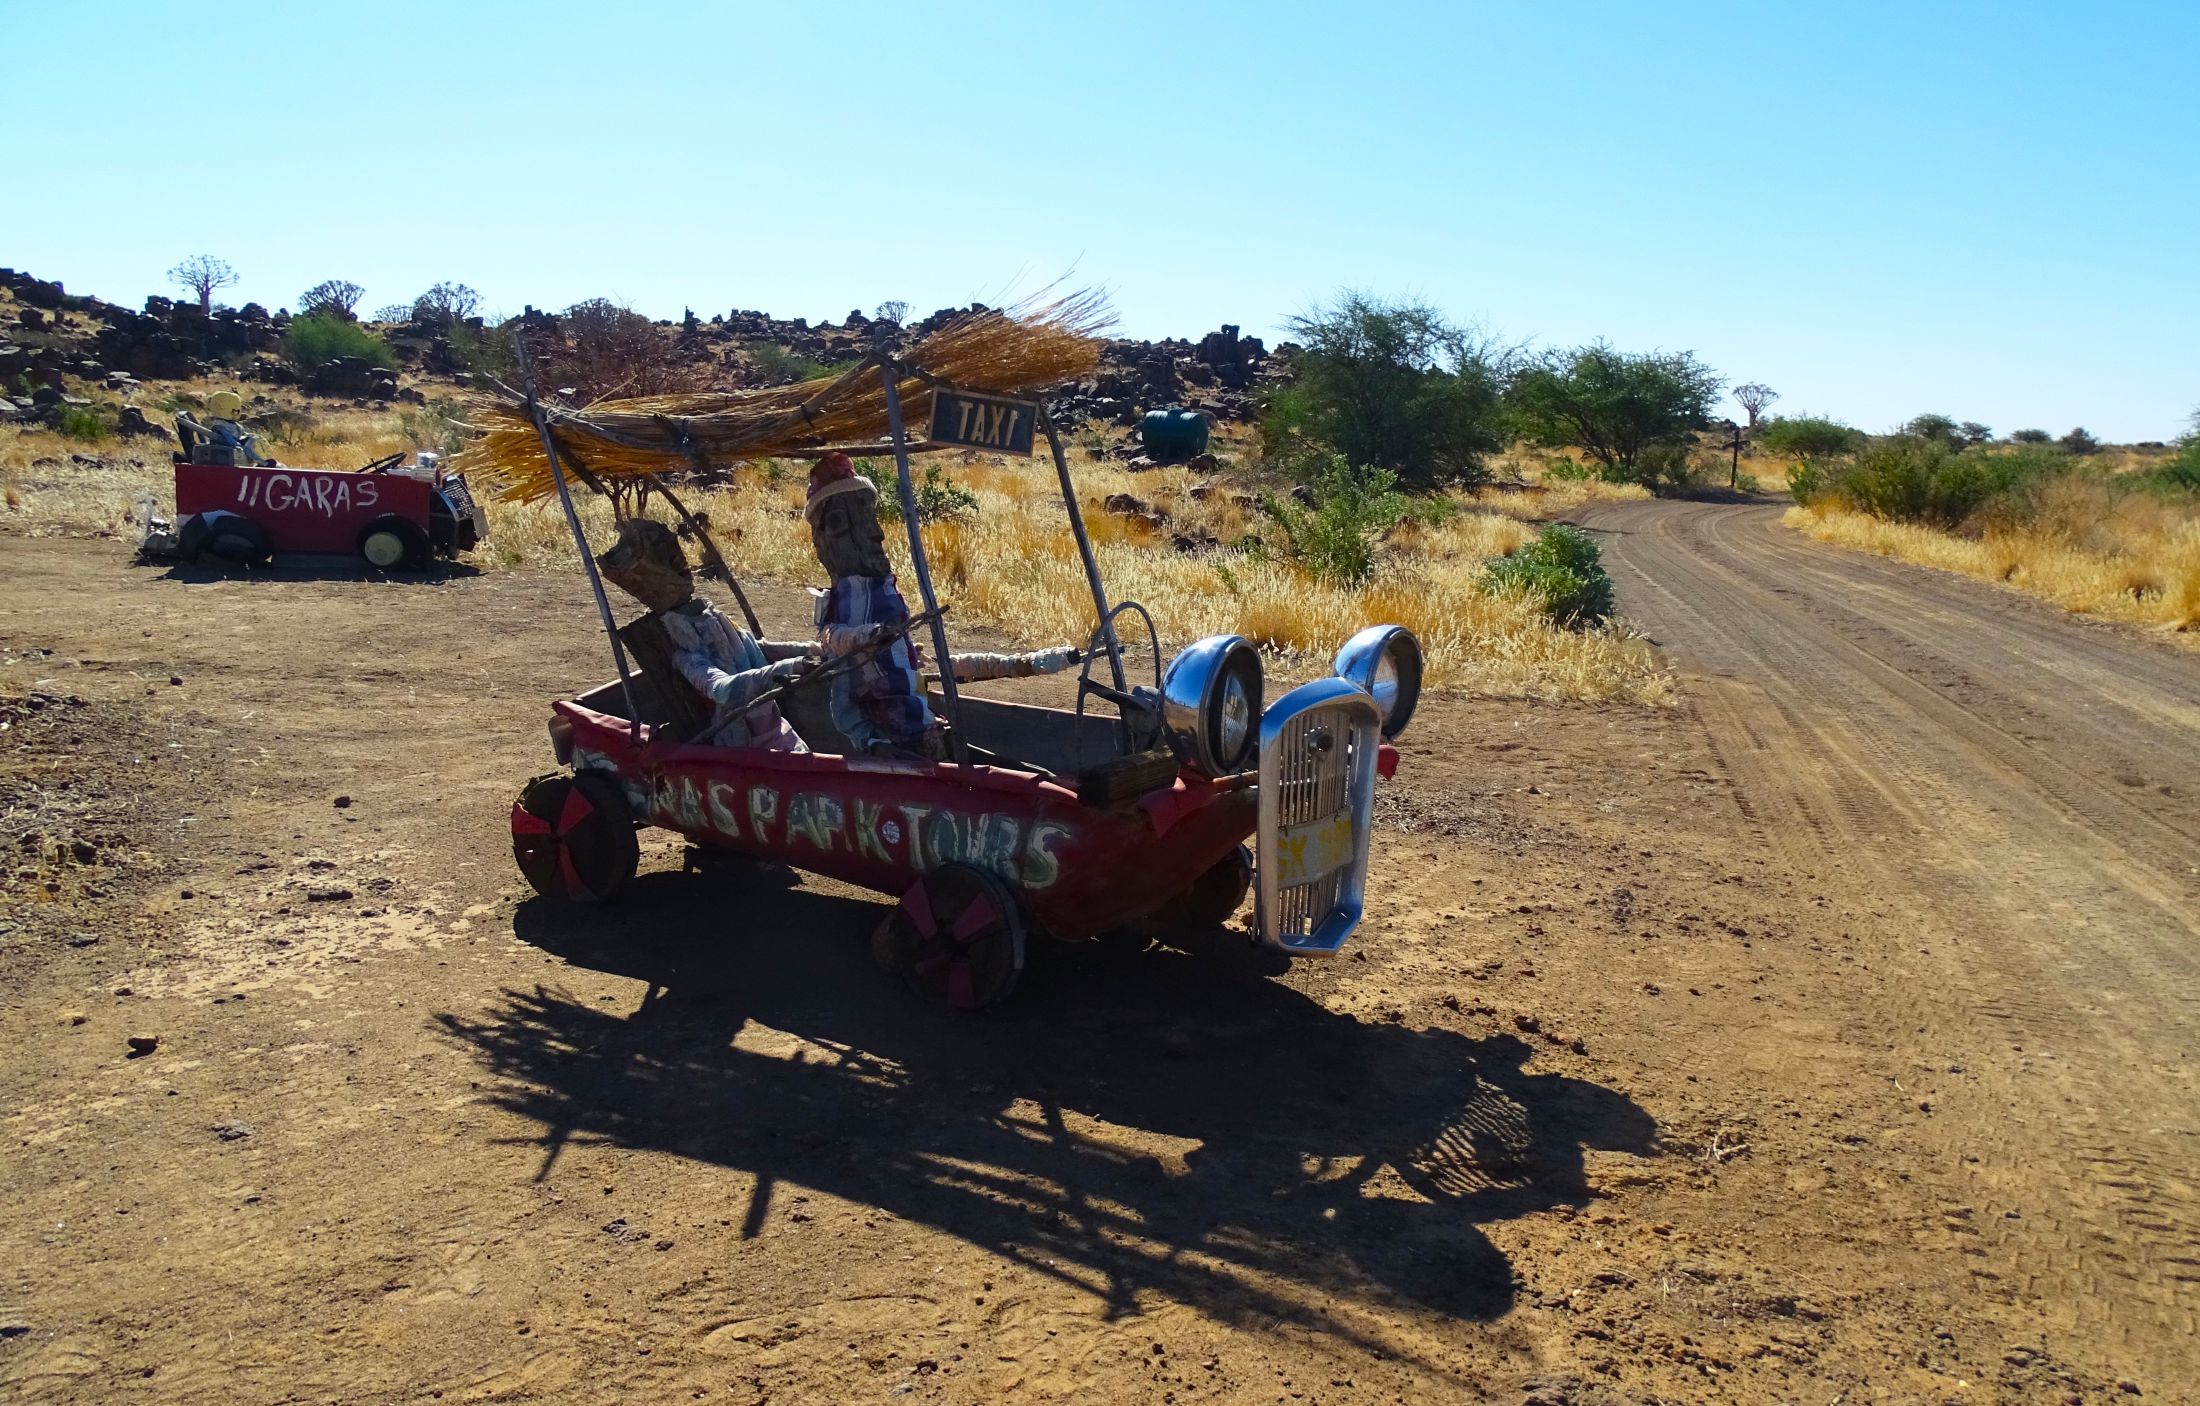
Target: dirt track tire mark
(2022, 787)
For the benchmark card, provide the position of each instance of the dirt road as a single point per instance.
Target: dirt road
(2022, 789)
(1634, 1086)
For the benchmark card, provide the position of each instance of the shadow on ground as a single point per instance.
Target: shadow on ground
(306, 567)
(1131, 1124)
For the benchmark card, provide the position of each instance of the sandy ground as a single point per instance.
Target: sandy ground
(1821, 1040)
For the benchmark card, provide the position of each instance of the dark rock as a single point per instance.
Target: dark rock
(328, 895)
(142, 1045)
(133, 423)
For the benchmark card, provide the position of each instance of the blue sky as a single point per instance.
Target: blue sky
(1988, 210)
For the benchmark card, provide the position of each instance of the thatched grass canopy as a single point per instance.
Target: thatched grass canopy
(1022, 352)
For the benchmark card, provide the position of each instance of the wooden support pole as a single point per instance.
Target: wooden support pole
(908, 490)
(588, 559)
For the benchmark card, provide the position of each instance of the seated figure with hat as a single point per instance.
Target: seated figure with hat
(879, 704)
(724, 663)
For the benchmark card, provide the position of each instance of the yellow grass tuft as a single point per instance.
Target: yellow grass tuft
(2140, 563)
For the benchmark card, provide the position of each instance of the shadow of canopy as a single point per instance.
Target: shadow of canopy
(1148, 1124)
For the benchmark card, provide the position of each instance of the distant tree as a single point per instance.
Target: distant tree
(893, 310)
(334, 297)
(445, 304)
(1393, 385)
(1810, 438)
(200, 275)
(1634, 413)
(1938, 428)
(394, 312)
(1753, 397)
(2030, 437)
(601, 350)
(1975, 433)
(2079, 442)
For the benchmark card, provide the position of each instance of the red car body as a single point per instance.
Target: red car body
(302, 510)
(881, 824)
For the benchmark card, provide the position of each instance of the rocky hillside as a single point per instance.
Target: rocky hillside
(50, 337)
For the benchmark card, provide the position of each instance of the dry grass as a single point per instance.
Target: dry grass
(2089, 549)
(1012, 563)
(1032, 347)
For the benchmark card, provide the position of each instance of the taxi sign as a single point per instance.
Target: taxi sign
(968, 421)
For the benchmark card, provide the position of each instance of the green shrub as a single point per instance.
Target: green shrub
(1568, 469)
(1431, 509)
(434, 426)
(1908, 479)
(1807, 482)
(938, 496)
(783, 367)
(1395, 386)
(82, 422)
(2182, 473)
(1333, 538)
(316, 340)
(1562, 570)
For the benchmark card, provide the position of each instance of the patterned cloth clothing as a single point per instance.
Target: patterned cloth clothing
(729, 666)
(878, 703)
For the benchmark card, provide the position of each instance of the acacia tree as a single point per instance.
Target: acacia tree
(893, 310)
(1753, 397)
(200, 275)
(1939, 428)
(1631, 412)
(333, 297)
(1393, 386)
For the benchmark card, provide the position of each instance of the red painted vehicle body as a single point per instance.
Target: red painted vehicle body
(881, 824)
(302, 510)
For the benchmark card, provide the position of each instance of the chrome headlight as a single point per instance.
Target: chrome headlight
(1385, 660)
(1210, 701)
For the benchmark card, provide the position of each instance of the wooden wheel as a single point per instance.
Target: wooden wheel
(957, 935)
(573, 837)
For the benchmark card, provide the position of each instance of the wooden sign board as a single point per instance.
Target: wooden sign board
(993, 422)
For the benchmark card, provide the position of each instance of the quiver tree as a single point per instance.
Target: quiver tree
(334, 297)
(200, 275)
(1753, 397)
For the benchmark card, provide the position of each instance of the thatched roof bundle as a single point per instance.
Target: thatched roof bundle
(1021, 352)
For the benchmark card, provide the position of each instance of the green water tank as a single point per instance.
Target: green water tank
(1173, 434)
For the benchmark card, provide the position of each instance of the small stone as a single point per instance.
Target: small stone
(343, 803)
(75, 1017)
(232, 1131)
(142, 1045)
(1526, 1022)
(327, 895)
(175, 680)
